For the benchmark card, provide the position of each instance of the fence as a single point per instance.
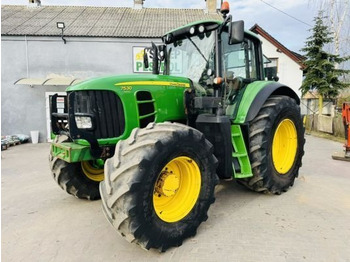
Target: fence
(329, 124)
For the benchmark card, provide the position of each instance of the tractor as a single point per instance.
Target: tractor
(154, 146)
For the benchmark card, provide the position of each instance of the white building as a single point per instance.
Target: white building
(285, 63)
(38, 61)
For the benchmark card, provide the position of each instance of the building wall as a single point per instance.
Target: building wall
(288, 71)
(23, 107)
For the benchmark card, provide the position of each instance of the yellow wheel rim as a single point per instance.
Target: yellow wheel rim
(284, 146)
(177, 189)
(93, 173)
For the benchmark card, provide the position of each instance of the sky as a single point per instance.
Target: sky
(287, 30)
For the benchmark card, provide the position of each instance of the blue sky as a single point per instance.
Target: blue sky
(285, 29)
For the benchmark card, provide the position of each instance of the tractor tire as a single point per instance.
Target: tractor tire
(159, 185)
(276, 146)
(79, 179)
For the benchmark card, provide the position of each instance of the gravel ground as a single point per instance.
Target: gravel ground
(311, 222)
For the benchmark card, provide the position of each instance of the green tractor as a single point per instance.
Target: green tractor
(154, 147)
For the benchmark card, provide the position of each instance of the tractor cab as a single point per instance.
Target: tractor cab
(219, 58)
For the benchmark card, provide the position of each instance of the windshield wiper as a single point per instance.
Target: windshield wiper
(194, 44)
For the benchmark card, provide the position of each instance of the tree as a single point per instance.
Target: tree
(338, 20)
(321, 72)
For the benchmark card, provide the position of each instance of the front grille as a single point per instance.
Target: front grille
(107, 110)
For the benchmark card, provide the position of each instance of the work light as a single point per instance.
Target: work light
(83, 122)
(60, 25)
(192, 30)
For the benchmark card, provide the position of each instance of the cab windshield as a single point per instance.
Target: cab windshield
(191, 57)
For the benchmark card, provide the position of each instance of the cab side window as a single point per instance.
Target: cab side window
(239, 59)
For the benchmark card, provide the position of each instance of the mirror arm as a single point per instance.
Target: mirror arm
(226, 21)
(155, 67)
(145, 57)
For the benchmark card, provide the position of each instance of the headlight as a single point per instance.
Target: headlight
(83, 122)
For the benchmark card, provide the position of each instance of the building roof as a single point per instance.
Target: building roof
(311, 95)
(293, 55)
(96, 21)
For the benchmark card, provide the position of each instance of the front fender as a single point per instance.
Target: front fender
(255, 96)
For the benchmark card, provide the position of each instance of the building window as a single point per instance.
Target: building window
(271, 68)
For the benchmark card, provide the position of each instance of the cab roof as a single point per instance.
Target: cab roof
(213, 24)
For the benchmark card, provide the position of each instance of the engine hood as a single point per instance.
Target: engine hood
(108, 82)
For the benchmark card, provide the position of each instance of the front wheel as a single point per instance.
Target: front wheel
(159, 185)
(79, 179)
(276, 146)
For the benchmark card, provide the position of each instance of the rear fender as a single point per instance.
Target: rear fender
(256, 95)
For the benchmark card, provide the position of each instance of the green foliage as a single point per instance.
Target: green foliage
(342, 99)
(321, 72)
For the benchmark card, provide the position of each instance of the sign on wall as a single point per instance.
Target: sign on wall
(60, 104)
(175, 67)
(139, 66)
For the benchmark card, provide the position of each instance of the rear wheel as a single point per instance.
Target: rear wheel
(276, 146)
(79, 179)
(159, 185)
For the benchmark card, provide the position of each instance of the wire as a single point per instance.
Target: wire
(286, 13)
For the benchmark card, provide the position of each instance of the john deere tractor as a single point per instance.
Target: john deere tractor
(154, 146)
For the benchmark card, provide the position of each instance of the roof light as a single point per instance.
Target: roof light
(225, 8)
(168, 38)
(192, 30)
(201, 29)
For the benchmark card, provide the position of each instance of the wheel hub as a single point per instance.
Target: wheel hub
(177, 189)
(93, 172)
(167, 184)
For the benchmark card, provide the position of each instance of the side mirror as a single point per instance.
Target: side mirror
(145, 58)
(155, 59)
(161, 52)
(154, 55)
(236, 32)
